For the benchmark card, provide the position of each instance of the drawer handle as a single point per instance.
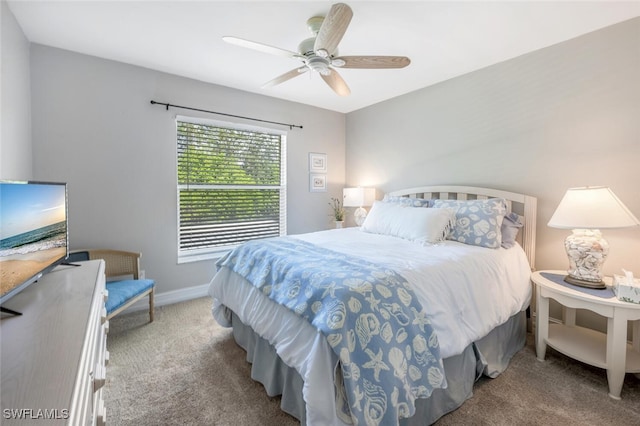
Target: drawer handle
(106, 327)
(99, 377)
(106, 358)
(103, 316)
(105, 295)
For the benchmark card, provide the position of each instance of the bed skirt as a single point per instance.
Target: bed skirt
(489, 356)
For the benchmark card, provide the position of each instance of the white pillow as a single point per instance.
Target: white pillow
(424, 226)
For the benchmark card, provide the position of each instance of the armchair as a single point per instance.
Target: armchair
(122, 269)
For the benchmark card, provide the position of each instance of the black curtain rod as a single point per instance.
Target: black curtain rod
(291, 126)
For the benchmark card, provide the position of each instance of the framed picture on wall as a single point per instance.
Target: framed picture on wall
(317, 182)
(317, 162)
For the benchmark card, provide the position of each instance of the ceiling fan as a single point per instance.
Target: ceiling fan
(319, 53)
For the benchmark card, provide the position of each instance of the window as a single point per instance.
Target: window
(231, 186)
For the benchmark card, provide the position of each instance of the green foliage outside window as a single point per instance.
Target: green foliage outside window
(229, 185)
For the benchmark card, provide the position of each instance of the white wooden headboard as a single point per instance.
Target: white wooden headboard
(524, 205)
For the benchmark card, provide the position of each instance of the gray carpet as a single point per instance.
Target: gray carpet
(184, 369)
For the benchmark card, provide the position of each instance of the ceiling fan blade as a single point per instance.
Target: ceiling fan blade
(336, 82)
(333, 28)
(261, 47)
(286, 76)
(371, 62)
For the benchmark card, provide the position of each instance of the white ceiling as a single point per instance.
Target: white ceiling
(443, 39)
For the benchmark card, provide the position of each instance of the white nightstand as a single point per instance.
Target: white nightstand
(609, 351)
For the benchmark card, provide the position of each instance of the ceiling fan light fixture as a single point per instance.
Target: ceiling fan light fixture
(319, 64)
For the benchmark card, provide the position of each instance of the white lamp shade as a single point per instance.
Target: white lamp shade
(595, 207)
(358, 197)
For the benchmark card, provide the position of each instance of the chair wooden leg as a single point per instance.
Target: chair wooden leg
(151, 305)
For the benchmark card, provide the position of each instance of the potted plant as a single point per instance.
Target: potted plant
(338, 211)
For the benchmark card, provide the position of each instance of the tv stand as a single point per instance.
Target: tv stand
(9, 311)
(54, 355)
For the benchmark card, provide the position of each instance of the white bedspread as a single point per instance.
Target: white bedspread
(465, 290)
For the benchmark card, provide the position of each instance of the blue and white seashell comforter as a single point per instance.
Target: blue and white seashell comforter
(389, 353)
(465, 291)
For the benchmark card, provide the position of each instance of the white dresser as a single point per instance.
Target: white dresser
(53, 357)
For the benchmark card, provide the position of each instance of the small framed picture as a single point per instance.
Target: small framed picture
(317, 162)
(317, 182)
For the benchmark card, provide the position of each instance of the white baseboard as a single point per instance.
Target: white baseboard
(170, 297)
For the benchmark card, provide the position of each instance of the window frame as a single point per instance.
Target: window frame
(194, 255)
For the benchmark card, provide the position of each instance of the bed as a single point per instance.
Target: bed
(408, 365)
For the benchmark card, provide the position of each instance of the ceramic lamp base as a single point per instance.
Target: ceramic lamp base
(587, 250)
(360, 215)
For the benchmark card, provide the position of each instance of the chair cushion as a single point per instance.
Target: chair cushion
(120, 292)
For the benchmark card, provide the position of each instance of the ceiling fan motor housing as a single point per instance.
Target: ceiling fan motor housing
(306, 46)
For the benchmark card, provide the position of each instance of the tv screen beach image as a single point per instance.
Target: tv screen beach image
(33, 230)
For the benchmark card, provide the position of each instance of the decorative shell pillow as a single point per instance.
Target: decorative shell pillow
(478, 222)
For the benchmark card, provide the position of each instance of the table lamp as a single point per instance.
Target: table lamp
(585, 211)
(359, 197)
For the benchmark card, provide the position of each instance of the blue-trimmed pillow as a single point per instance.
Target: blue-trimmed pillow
(510, 227)
(478, 222)
(406, 201)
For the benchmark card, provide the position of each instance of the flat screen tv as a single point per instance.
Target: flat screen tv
(33, 233)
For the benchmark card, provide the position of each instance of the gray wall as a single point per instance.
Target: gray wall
(560, 117)
(15, 112)
(94, 127)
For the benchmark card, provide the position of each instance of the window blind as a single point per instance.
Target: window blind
(231, 185)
